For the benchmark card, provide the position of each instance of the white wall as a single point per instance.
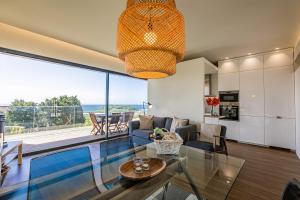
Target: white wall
(26, 41)
(180, 95)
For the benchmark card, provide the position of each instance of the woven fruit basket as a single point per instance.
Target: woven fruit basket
(170, 144)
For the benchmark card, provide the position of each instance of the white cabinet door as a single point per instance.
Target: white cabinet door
(228, 81)
(233, 129)
(252, 129)
(279, 92)
(251, 63)
(211, 120)
(279, 58)
(280, 132)
(252, 93)
(228, 66)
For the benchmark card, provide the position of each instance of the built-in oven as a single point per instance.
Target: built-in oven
(229, 105)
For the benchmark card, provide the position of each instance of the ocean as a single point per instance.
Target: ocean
(93, 108)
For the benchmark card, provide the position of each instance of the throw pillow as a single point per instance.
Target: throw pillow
(146, 122)
(177, 123)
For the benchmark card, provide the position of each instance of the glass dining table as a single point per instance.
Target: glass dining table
(193, 174)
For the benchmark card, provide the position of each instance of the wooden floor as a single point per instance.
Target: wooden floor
(265, 173)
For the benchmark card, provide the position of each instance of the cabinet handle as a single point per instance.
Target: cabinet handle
(278, 117)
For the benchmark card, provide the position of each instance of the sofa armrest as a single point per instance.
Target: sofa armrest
(133, 125)
(187, 132)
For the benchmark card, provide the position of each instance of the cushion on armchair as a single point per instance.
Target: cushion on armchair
(146, 122)
(208, 131)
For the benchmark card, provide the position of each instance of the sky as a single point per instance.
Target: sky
(36, 80)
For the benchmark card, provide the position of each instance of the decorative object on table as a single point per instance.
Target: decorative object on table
(149, 105)
(146, 122)
(169, 144)
(151, 38)
(212, 101)
(142, 168)
(158, 133)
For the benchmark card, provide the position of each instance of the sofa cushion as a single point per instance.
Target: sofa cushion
(159, 122)
(146, 122)
(142, 133)
(176, 123)
(168, 123)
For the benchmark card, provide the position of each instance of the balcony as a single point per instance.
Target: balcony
(50, 127)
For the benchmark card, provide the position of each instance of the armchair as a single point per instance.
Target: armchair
(207, 146)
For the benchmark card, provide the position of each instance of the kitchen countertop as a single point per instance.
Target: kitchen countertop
(215, 116)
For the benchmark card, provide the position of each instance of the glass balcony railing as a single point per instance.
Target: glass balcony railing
(28, 119)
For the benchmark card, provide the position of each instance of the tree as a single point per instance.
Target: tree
(64, 110)
(21, 113)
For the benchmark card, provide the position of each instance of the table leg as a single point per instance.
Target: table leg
(20, 147)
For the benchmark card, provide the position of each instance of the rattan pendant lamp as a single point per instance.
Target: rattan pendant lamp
(151, 38)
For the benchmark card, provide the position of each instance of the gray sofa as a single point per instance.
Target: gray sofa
(161, 122)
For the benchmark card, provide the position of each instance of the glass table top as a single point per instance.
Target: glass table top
(73, 174)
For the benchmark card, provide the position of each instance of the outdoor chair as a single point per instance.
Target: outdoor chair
(97, 125)
(126, 117)
(114, 123)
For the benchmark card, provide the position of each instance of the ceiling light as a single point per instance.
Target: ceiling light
(276, 48)
(151, 38)
(249, 54)
(226, 58)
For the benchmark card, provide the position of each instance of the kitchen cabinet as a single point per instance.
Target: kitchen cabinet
(280, 132)
(233, 129)
(252, 93)
(228, 66)
(279, 92)
(228, 81)
(251, 63)
(252, 130)
(279, 58)
(211, 120)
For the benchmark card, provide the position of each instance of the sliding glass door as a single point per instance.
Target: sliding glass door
(126, 97)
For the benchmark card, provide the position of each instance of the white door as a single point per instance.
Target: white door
(280, 132)
(279, 92)
(228, 81)
(252, 93)
(252, 129)
(233, 129)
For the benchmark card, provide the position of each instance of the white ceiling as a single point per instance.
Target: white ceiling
(214, 28)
